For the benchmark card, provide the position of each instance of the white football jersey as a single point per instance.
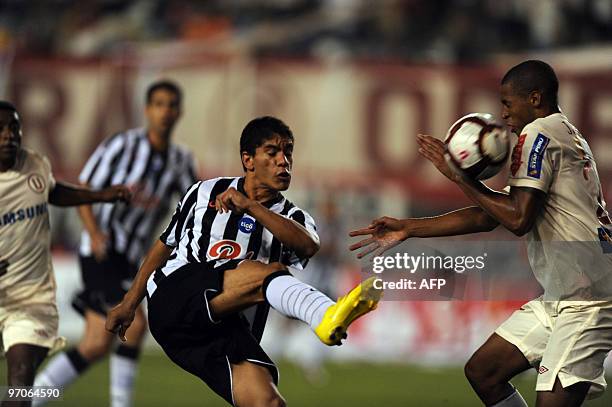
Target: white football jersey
(569, 246)
(25, 259)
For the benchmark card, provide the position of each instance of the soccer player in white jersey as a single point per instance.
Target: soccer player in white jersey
(230, 246)
(556, 199)
(28, 313)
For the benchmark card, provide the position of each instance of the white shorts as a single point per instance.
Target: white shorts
(565, 339)
(34, 324)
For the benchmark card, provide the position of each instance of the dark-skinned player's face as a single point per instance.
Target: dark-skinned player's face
(272, 162)
(517, 110)
(10, 135)
(163, 111)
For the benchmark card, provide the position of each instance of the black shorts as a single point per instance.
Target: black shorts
(181, 323)
(104, 283)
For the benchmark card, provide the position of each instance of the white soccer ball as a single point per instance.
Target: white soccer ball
(478, 145)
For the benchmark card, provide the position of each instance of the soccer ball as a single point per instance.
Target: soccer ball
(477, 145)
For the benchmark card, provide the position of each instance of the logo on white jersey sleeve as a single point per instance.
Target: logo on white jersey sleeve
(534, 164)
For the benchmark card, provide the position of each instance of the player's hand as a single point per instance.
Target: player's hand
(384, 233)
(434, 150)
(116, 193)
(119, 320)
(99, 245)
(232, 200)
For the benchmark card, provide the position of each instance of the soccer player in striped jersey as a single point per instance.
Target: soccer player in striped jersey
(115, 237)
(231, 245)
(555, 198)
(28, 313)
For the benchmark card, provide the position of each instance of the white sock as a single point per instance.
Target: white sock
(122, 371)
(59, 372)
(294, 299)
(513, 400)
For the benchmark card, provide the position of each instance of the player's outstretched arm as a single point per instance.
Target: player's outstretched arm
(121, 316)
(385, 233)
(71, 195)
(293, 235)
(516, 211)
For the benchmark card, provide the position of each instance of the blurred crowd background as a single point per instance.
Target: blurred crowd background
(355, 79)
(412, 30)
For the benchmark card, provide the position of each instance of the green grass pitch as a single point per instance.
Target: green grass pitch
(161, 383)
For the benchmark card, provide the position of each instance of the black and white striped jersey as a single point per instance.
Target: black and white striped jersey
(199, 233)
(128, 158)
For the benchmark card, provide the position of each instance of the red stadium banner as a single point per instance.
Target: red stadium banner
(355, 123)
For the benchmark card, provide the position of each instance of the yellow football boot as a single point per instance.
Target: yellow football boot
(359, 301)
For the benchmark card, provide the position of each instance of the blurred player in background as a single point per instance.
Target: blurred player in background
(116, 237)
(28, 313)
(229, 247)
(555, 197)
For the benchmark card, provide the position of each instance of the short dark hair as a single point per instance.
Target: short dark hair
(4, 105)
(534, 75)
(165, 85)
(258, 130)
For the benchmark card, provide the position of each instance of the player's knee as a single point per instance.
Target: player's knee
(271, 399)
(483, 374)
(261, 270)
(94, 351)
(475, 372)
(277, 401)
(470, 371)
(258, 396)
(272, 271)
(276, 266)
